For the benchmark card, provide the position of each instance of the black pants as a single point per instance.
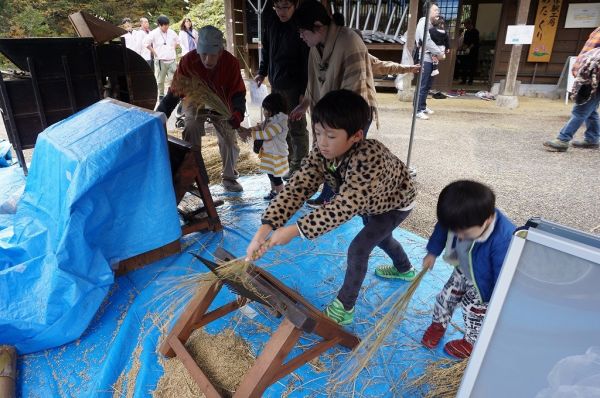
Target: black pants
(275, 180)
(376, 232)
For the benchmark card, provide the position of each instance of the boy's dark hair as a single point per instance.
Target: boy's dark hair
(292, 2)
(464, 204)
(309, 12)
(274, 103)
(342, 109)
(439, 23)
(162, 20)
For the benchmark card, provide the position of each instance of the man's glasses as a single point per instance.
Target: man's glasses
(279, 8)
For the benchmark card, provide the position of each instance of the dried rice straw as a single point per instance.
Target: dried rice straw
(441, 378)
(370, 344)
(198, 93)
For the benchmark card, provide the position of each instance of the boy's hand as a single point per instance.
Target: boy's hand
(257, 247)
(283, 235)
(429, 261)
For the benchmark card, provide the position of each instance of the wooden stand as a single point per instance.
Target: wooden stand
(8, 371)
(299, 317)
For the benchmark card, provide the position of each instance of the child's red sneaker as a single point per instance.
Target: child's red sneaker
(433, 335)
(460, 349)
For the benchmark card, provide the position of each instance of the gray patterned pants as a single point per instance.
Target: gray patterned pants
(460, 289)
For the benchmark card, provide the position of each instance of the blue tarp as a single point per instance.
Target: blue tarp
(99, 191)
(123, 336)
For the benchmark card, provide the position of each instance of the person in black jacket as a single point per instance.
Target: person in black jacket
(285, 62)
(470, 49)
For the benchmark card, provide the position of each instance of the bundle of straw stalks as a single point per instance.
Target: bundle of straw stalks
(198, 93)
(370, 344)
(248, 162)
(441, 378)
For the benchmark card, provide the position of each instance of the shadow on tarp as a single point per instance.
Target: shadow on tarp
(124, 334)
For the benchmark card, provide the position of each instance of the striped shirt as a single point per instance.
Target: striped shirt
(592, 42)
(274, 153)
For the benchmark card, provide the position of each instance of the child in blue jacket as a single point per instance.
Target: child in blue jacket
(475, 236)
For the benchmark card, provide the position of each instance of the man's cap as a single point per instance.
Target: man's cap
(210, 40)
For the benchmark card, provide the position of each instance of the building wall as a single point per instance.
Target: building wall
(568, 42)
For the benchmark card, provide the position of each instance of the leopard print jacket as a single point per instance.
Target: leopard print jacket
(369, 180)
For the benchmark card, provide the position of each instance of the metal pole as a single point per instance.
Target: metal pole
(426, 7)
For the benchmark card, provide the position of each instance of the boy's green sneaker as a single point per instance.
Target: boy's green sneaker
(390, 272)
(337, 313)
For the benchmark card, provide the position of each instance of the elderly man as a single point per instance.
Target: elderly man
(585, 112)
(139, 38)
(221, 72)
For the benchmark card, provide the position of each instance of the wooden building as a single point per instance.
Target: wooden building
(490, 17)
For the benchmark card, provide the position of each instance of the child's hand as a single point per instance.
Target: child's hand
(429, 261)
(258, 247)
(283, 235)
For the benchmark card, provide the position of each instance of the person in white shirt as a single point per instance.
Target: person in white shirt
(139, 36)
(162, 42)
(188, 36)
(129, 36)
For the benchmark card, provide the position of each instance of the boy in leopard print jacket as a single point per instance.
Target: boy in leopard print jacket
(368, 180)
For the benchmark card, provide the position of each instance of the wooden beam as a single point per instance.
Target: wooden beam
(229, 27)
(8, 371)
(508, 98)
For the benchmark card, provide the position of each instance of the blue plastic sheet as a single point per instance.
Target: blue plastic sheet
(99, 191)
(122, 338)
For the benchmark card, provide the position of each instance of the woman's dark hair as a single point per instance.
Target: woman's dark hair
(183, 27)
(309, 12)
(464, 204)
(342, 109)
(274, 103)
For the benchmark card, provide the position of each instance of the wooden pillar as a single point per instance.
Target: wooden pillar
(413, 13)
(509, 97)
(229, 27)
(8, 371)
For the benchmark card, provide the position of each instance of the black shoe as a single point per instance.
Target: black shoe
(270, 196)
(315, 203)
(439, 95)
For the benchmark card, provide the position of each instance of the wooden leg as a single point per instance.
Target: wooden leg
(8, 371)
(260, 376)
(191, 314)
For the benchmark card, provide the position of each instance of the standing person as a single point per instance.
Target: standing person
(139, 38)
(582, 112)
(440, 38)
(431, 49)
(370, 180)
(475, 237)
(188, 36)
(162, 42)
(220, 71)
(285, 62)
(271, 137)
(129, 36)
(470, 49)
(338, 59)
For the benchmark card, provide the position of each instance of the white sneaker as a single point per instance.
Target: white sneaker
(435, 72)
(428, 111)
(422, 115)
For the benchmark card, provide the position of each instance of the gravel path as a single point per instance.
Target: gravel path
(472, 138)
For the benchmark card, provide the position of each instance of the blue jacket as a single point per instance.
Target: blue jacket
(486, 257)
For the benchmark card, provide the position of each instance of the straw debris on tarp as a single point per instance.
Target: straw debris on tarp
(372, 342)
(248, 162)
(441, 379)
(199, 94)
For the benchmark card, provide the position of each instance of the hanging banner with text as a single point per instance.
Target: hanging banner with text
(546, 23)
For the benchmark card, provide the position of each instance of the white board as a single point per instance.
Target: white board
(570, 78)
(583, 15)
(519, 34)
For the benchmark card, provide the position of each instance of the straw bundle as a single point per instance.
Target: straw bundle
(198, 93)
(441, 378)
(248, 162)
(370, 344)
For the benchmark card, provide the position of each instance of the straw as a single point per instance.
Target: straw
(198, 93)
(441, 378)
(370, 344)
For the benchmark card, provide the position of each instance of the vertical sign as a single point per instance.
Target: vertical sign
(546, 23)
